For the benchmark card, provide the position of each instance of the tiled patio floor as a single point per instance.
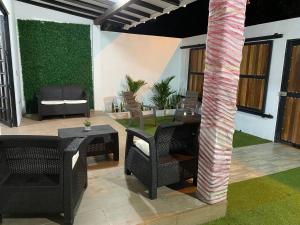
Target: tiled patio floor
(114, 199)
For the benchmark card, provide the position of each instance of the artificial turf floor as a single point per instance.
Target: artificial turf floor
(240, 139)
(269, 200)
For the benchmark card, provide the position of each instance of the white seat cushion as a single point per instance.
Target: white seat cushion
(75, 101)
(143, 146)
(50, 102)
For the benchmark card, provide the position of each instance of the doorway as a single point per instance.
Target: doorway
(288, 124)
(7, 94)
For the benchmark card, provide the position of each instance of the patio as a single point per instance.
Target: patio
(115, 199)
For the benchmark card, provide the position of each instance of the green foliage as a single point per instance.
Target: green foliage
(54, 54)
(241, 139)
(174, 100)
(161, 92)
(87, 123)
(133, 85)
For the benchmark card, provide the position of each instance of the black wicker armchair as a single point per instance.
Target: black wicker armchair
(168, 157)
(41, 175)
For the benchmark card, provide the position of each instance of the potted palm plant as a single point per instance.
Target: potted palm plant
(134, 85)
(161, 93)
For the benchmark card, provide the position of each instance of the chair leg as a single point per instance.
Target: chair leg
(68, 214)
(127, 172)
(1, 219)
(153, 193)
(68, 220)
(195, 180)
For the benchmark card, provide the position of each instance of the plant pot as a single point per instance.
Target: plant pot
(87, 128)
(165, 112)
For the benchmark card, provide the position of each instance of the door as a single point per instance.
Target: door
(288, 126)
(7, 97)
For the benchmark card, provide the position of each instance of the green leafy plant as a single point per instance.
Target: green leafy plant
(87, 123)
(134, 85)
(174, 100)
(161, 93)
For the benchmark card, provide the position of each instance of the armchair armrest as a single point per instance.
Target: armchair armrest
(73, 151)
(75, 174)
(140, 134)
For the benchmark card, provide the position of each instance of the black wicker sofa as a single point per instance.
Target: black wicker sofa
(67, 100)
(168, 157)
(41, 175)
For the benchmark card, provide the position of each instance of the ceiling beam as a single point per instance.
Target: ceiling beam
(72, 7)
(57, 9)
(99, 8)
(172, 2)
(117, 19)
(137, 12)
(117, 7)
(149, 6)
(124, 15)
(87, 5)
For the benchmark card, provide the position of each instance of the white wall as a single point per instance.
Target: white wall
(249, 123)
(150, 58)
(15, 57)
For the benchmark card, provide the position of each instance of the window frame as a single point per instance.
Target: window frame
(265, 78)
(196, 73)
(260, 112)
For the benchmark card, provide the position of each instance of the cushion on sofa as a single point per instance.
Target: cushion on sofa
(51, 93)
(49, 102)
(75, 101)
(73, 93)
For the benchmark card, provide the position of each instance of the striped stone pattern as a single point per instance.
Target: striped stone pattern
(225, 42)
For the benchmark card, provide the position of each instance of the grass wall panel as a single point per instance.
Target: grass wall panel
(54, 54)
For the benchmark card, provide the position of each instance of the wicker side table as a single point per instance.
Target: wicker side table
(103, 139)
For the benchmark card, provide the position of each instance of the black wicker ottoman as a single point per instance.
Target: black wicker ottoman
(103, 139)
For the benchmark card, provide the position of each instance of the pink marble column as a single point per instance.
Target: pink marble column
(224, 45)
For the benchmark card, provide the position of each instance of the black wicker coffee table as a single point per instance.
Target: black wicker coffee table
(103, 139)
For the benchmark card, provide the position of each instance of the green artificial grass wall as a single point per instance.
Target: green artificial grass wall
(54, 54)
